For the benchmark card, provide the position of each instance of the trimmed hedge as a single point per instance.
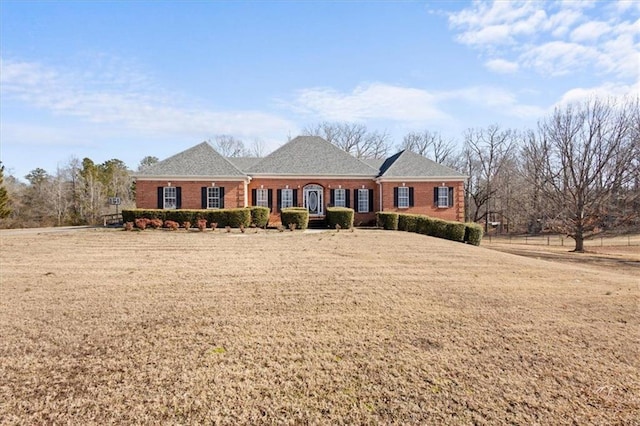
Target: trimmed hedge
(259, 216)
(407, 222)
(473, 233)
(387, 220)
(297, 215)
(342, 216)
(455, 231)
(223, 217)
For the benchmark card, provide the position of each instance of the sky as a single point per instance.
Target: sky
(129, 79)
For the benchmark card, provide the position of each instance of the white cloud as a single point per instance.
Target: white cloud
(604, 91)
(590, 31)
(502, 66)
(112, 98)
(496, 99)
(553, 38)
(373, 101)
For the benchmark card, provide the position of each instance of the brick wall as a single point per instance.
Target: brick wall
(423, 199)
(327, 184)
(147, 193)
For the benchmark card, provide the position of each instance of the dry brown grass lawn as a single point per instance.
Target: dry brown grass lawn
(366, 327)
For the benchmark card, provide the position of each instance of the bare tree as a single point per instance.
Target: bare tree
(353, 138)
(587, 152)
(229, 146)
(487, 153)
(431, 145)
(257, 148)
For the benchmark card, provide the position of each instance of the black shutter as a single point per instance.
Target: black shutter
(332, 197)
(222, 197)
(178, 197)
(270, 197)
(160, 197)
(371, 200)
(203, 197)
(347, 198)
(295, 198)
(355, 199)
(411, 196)
(395, 196)
(451, 196)
(435, 196)
(253, 197)
(279, 194)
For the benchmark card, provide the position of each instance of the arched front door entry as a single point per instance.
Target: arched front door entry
(313, 200)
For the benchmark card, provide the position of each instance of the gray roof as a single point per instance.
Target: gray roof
(200, 160)
(243, 163)
(376, 163)
(409, 164)
(311, 156)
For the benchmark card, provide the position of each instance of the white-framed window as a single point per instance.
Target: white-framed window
(213, 197)
(170, 196)
(340, 198)
(262, 197)
(403, 197)
(363, 200)
(287, 198)
(443, 197)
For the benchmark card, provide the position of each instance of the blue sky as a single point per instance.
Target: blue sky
(117, 79)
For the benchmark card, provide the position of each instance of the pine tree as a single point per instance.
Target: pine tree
(5, 211)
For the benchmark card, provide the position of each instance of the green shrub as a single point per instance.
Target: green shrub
(407, 222)
(342, 216)
(387, 220)
(259, 216)
(473, 233)
(424, 225)
(438, 228)
(456, 231)
(237, 218)
(297, 215)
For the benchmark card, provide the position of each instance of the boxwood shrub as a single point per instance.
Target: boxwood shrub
(407, 222)
(456, 231)
(424, 225)
(387, 220)
(473, 233)
(342, 216)
(223, 217)
(297, 215)
(259, 216)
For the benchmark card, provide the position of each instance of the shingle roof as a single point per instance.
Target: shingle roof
(243, 163)
(376, 163)
(200, 160)
(311, 156)
(409, 164)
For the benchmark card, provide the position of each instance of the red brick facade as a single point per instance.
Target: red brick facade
(239, 194)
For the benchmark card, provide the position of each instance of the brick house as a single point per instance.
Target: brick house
(307, 172)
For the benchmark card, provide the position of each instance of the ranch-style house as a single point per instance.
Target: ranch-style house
(306, 172)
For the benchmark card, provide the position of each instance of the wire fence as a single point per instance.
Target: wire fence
(562, 240)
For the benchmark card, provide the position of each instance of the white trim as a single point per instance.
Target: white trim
(313, 177)
(216, 179)
(410, 179)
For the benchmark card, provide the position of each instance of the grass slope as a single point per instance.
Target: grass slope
(366, 327)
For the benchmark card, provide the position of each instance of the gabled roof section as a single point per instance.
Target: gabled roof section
(243, 163)
(311, 156)
(409, 164)
(200, 160)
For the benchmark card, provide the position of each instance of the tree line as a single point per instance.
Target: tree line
(577, 172)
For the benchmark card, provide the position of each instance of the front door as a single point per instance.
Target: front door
(313, 200)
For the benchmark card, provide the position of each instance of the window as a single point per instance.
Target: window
(213, 198)
(287, 198)
(170, 197)
(262, 197)
(403, 197)
(363, 200)
(340, 199)
(443, 197)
